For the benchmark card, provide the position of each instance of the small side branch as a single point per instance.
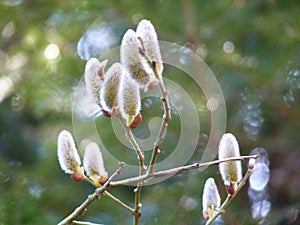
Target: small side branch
(138, 190)
(230, 198)
(165, 100)
(136, 147)
(163, 128)
(146, 177)
(80, 210)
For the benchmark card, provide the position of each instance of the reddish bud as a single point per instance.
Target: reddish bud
(205, 215)
(230, 188)
(137, 121)
(77, 176)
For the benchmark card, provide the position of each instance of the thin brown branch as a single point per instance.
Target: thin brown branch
(106, 193)
(143, 168)
(163, 128)
(164, 173)
(80, 210)
(230, 198)
(75, 222)
(165, 100)
(136, 147)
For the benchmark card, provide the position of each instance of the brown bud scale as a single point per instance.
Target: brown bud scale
(137, 121)
(230, 188)
(106, 113)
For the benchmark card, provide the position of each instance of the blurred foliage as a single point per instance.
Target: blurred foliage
(251, 46)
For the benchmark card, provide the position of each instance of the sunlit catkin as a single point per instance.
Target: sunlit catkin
(129, 100)
(93, 78)
(211, 200)
(110, 89)
(138, 67)
(93, 163)
(68, 157)
(146, 31)
(231, 172)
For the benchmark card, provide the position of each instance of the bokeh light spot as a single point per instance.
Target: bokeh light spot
(228, 47)
(8, 31)
(52, 51)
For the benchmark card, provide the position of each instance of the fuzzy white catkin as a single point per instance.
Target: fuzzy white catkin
(93, 77)
(68, 157)
(229, 147)
(93, 161)
(131, 58)
(147, 32)
(110, 87)
(129, 99)
(211, 196)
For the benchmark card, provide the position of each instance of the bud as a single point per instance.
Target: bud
(231, 172)
(77, 176)
(110, 89)
(136, 121)
(68, 157)
(93, 77)
(93, 163)
(146, 31)
(129, 101)
(138, 67)
(211, 200)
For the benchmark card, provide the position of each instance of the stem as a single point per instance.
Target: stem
(106, 193)
(138, 205)
(163, 173)
(143, 168)
(136, 147)
(229, 198)
(164, 124)
(141, 158)
(165, 100)
(76, 222)
(80, 210)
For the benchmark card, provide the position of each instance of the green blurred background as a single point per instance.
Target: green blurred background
(252, 47)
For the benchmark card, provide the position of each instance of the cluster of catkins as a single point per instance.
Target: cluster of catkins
(69, 160)
(117, 90)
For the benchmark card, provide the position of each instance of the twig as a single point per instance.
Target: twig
(75, 222)
(106, 193)
(136, 147)
(80, 210)
(164, 124)
(163, 173)
(229, 198)
(166, 104)
(141, 158)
